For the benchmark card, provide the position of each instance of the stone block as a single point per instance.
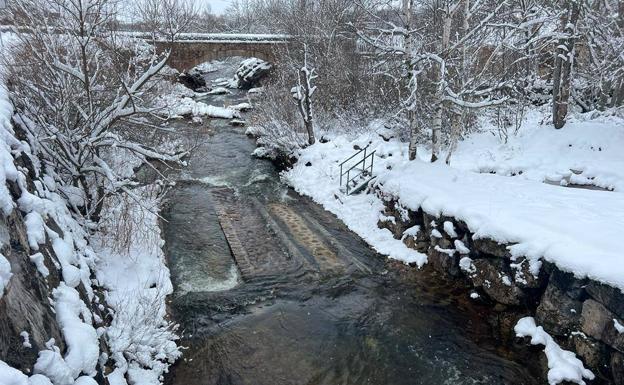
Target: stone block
(558, 313)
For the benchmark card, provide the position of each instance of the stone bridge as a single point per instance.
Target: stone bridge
(193, 49)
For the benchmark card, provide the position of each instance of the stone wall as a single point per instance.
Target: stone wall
(578, 313)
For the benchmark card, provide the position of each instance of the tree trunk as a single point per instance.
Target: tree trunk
(564, 61)
(435, 133)
(413, 144)
(439, 105)
(307, 106)
(409, 46)
(455, 134)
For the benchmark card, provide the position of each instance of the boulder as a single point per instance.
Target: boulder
(594, 354)
(611, 297)
(568, 283)
(490, 277)
(557, 313)
(525, 279)
(490, 247)
(598, 322)
(617, 368)
(595, 318)
(250, 72)
(193, 80)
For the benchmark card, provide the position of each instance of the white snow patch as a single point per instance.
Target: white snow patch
(75, 321)
(5, 273)
(35, 229)
(26, 343)
(618, 326)
(466, 265)
(37, 259)
(461, 247)
(563, 365)
(449, 228)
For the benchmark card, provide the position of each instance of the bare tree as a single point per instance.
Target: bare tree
(167, 18)
(448, 50)
(564, 60)
(303, 93)
(83, 95)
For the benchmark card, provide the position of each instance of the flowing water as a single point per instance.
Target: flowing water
(271, 289)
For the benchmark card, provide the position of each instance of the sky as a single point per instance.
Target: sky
(217, 6)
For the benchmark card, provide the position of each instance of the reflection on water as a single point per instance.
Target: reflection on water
(290, 296)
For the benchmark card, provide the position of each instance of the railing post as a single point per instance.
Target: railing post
(364, 165)
(348, 181)
(372, 162)
(341, 175)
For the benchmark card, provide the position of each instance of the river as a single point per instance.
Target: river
(272, 289)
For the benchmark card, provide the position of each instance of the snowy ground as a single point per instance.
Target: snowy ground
(585, 152)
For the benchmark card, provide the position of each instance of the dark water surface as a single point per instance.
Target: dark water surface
(271, 289)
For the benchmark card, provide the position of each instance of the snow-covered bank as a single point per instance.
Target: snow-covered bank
(360, 212)
(80, 307)
(133, 270)
(576, 229)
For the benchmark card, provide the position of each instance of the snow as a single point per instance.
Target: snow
(585, 152)
(466, 265)
(177, 105)
(256, 90)
(52, 365)
(37, 260)
(461, 247)
(75, 321)
(449, 229)
(218, 91)
(563, 365)
(26, 343)
(5, 273)
(10, 376)
(137, 281)
(241, 107)
(35, 230)
(618, 326)
(578, 230)
(412, 231)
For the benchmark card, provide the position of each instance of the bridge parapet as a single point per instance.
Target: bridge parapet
(218, 37)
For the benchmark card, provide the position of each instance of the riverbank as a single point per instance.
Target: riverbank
(552, 251)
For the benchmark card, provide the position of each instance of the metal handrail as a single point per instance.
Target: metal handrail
(364, 168)
(351, 157)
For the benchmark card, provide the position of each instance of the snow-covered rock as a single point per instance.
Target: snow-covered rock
(251, 71)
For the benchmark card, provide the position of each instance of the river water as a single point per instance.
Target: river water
(271, 289)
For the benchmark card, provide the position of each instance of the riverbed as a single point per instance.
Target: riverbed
(272, 289)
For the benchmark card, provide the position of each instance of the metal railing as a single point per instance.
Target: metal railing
(361, 173)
